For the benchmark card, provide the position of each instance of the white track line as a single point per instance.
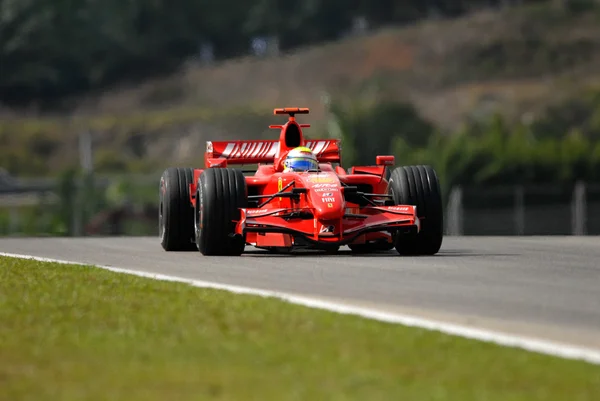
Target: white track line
(509, 340)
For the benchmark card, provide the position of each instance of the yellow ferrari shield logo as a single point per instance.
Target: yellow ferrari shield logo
(280, 186)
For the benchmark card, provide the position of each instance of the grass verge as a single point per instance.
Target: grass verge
(74, 332)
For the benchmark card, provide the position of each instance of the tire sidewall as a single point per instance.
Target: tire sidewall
(199, 216)
(164, 210)
(395, 194)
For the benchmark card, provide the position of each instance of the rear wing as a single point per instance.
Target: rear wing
(265, 151)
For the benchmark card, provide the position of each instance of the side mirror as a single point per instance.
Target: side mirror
(218, 162)
(385, 160)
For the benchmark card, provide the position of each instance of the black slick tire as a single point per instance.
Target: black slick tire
(221, 193)
(175, 211)
(419, 186)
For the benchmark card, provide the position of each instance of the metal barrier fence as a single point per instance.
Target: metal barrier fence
(524, 210)
(121, 205)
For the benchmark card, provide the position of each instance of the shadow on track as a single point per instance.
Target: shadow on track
(346, 253)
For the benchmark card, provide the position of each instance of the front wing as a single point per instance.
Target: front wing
(257, 224)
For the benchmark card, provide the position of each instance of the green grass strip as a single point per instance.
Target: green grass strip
(83, 333)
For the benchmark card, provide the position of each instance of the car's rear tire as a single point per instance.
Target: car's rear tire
(419, 186)
(221, 193)
(175, 211)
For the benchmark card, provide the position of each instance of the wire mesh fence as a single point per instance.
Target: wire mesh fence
(81, 206)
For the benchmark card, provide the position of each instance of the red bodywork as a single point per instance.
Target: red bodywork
(318, 209)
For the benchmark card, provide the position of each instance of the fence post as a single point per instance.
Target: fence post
(520, 210)
(579, 209)
(454, 225)
(86, 157)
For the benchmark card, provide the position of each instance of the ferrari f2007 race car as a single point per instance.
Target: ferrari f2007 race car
(219, 210)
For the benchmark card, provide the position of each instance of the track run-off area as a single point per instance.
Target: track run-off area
(537, 293)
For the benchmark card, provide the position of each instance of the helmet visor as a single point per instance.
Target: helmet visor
(301, 164)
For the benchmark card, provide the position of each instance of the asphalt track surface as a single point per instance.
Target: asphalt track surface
(542, 287)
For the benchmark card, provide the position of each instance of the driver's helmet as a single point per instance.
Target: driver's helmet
(300, 159)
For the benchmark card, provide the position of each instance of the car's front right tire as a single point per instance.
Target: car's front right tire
(221, 193)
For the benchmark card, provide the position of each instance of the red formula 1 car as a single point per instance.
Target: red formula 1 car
(218, 210)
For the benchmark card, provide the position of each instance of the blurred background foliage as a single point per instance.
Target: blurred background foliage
(53, 48)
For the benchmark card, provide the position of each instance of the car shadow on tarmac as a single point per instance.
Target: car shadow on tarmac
(258, 253)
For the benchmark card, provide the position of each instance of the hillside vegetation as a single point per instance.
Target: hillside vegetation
(516, 63)
(51, 49)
